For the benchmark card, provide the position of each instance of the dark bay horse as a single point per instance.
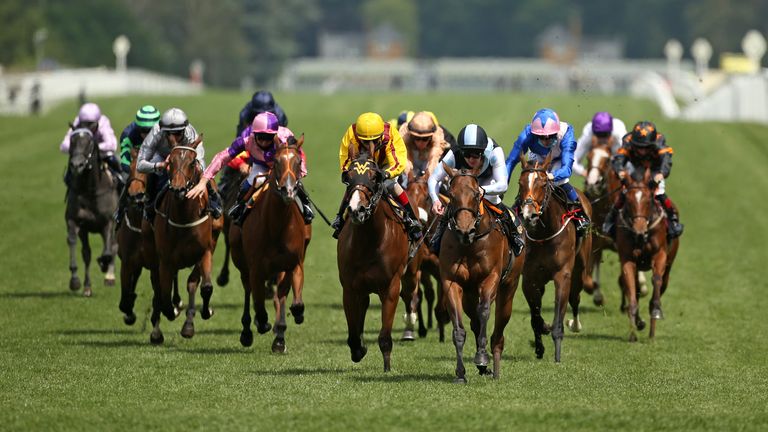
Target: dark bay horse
(371, 255)
(642, 244)
(184, 236)
(91, 202)
(554, 252)
(422, 267)
(273, 242)
(228, 197)
(476, 268)
(130, 243)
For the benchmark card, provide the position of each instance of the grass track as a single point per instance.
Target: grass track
(69, 363)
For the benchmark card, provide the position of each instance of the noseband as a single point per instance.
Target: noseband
(453, 211)
(547, 193)
(627, 218)
(91, 142)
(191, 181)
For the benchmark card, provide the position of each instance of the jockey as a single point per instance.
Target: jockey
(645, 148)
(156, 148)
(391, 156)
(403, 117)
(261, 101)
(131, 138)
(603, 128)
(425, 142)
(260, 144)
(546, 134)
(90, 117)
(475, 149)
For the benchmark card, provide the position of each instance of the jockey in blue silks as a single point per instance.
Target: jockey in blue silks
(546, 134)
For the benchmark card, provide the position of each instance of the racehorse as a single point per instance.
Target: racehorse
(273, 242)
(371, 254)
(554, 252)
(91, 202)
(423, 265)
(130, 245)
(642, 244)
(182, 235)
(601, 186)
(477, 267)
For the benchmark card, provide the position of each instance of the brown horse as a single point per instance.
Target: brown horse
(130, 244)
(273, 242)
(642, 244)
(477, 267)
(184, 236)
(554, 252)
(371, 254)
(91, 202)
(422, 267)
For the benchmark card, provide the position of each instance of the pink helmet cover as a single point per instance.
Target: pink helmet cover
(265, 122)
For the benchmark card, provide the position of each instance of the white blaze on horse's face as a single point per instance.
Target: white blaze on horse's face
(354, 202)
(597, 158)
(527, 208)
(638, 196)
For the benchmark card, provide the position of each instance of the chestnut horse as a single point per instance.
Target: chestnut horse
(423, 265)
(371, 254)
(554, 252)
(184, 236)
(91, 202)
(601, 186)
(273, 242)
(642, 244)
(130, 245)
(477, 267)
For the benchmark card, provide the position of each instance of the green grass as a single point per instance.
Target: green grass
(69, 363)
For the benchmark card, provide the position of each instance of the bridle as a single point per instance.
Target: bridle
(627, 219)
(453, 210)
(529, 201)
(287, 173)
(91, 143)
(190, 181)
(372, 191)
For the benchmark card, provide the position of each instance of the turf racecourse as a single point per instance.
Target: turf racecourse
(69, 363)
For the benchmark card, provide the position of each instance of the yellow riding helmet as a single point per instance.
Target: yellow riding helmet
(369, 126)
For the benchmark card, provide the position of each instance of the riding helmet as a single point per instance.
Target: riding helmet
(644, 134)
(472, 137)
(173, 120)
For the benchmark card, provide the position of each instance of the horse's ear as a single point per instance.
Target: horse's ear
(547, 160)
(523, 162)
(352, 151)
(197, 141)
(300, 141)
(71, 126)
(370, 149)
(647, 176)
(450, 171)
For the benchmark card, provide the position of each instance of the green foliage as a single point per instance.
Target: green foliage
(69, 363)
(402, 15)
(19, 20)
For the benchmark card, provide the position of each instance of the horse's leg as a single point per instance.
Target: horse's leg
(659, 266)
(452, 292)
(628, 278)
(72, 235)
(410, 296)
(429, 294)
(165, 284)
(533, 289)
(177, 301)
(223, 277)
(642, 284)
(193, 280)
(258, 285)
(355, 306)
(246, 335)
(441, 312)
(579, 281)
(388, 307)
(283, 287)
(420, 313)
(297, 284)
(107, 259)
(503, 312)
(130, 272)
(206, 290)
(597, 295)
(562, 279)
(483, 313)
(156, 337)
(86, 252)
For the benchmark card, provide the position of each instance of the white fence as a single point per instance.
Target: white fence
(18, 92)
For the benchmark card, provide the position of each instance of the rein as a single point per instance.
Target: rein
(565, 218)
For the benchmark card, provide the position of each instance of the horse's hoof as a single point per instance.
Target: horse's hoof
(278, 346)
(460, 380)
(657, 314)
(246, 338)
(206, 313)
(545, 328)
(179, 305)
(188, 330)
(171, 314)
(129, 319)
(540, 352)
(263, 328)
(481, 359)
(574, 325)
(643, 290)
(297, 310)
(74, 284)
(358, 354)
(87, 292)
(104, 261)
(222, 279)
(156, 339)
(632, 337)
(598, 299)
(110, 282)
(422, 332)
(408, 336)
(483, 370)
(640, 324)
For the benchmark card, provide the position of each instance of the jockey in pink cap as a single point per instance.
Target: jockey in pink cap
(261, 144)
(91, 118)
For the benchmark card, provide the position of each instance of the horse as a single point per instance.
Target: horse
(130, 244)
(273, 242)
(424, 265)
(91, 202)
(182, 235)
(372, 252)
(600, 188)
(477, 267)
(554, 252)
(642, 244)
(229, 196)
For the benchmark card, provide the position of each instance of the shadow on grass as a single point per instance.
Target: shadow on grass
(217, 351)
(420, 377)
(42, 294)
(224, 332)
(598, 336)
(299, 371)
(97, 331)
(112, 343)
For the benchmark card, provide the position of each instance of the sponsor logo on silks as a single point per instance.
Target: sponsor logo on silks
(361, 168)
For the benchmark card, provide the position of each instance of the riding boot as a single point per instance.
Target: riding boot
(514, 228)
(580, 218)
(437, 237)
(305, 205)
(674, 227)
(117, 170)
(412, 225)
(214, 201)
(151, 205)
(609, 225)
(338, 221)
(237, 211)
(121, 204)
